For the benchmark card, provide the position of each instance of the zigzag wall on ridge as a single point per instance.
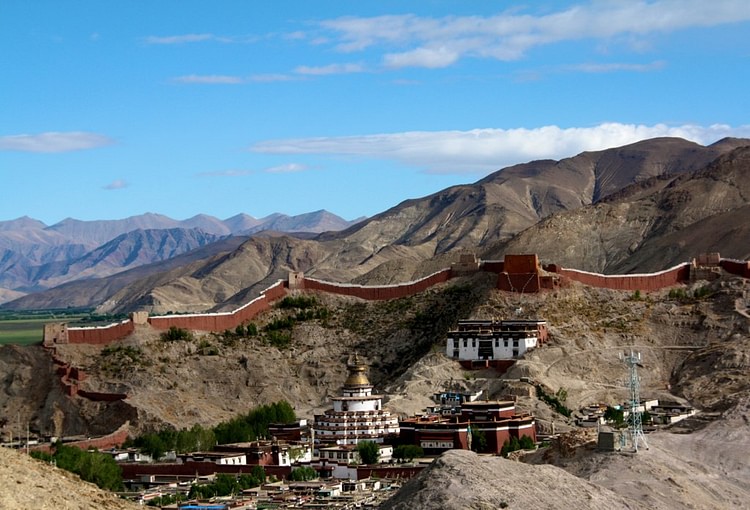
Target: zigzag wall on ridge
(221, 321)
(643, 282)
(378, 293)
(517, 278)
(100, 335)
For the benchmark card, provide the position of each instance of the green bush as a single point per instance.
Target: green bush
(678, 293)
(553, 401)
(702, 292)
(279, 339)
(174, 334)
(300, 302)
(205, 348)
(525, 443)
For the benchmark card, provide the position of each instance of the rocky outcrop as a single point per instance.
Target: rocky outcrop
(463, 480)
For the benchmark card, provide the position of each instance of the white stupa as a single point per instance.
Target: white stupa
(357, 415)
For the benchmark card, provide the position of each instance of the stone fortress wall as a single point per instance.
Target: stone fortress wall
(516, 273)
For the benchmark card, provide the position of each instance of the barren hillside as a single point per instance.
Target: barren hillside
(28, 483)
(652, 225)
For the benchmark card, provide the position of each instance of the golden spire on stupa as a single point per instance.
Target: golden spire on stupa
(357, 376)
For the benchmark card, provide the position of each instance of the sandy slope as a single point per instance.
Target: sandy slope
(26, 483)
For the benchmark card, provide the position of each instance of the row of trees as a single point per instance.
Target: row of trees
(369, 452)
(92, 466)
(248, 427)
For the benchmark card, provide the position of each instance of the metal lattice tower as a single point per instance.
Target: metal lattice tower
(635, 425)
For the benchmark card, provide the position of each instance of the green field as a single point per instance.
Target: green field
(26, 328)
(22, 331)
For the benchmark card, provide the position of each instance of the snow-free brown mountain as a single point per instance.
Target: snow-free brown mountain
(35, 257)
(413, 238)
(651, 226)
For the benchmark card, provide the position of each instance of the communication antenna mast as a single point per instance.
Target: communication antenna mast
(635, 425)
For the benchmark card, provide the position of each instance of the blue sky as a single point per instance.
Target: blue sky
(110, 109)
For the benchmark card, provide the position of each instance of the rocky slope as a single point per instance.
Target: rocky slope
(652, 225)
(463, 480)
(28, 483)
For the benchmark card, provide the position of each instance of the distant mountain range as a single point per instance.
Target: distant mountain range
(639, 207)
(35, 257)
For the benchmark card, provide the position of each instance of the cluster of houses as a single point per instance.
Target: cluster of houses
(659, 413)
(330, 446)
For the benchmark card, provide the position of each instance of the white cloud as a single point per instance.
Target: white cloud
(440, 42)
(431, 58)
(223, 79)
(116, 184)
(610, 67)
(210, 79)
(330, 69)
(179, 39)
(270, 78)
(486, 150)
(54, 142)
(286, 169)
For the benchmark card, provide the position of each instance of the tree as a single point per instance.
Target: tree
(94, 467)
(407, 452)
(225, 484)
(615, 416)
(478, 440)
(368, 451)
(303, 474)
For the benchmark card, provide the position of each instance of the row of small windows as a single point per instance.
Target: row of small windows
(437, 444)
(474, 343)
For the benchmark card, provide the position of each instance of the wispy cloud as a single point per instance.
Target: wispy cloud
(197, 38)
(269, 78)
(178, 39)
(414, 41)
(54, 141)
(224, 79)
(485, 150)
(210, 79)
(116, 184)
(611, 67)
(286, 169)
(330, 69)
